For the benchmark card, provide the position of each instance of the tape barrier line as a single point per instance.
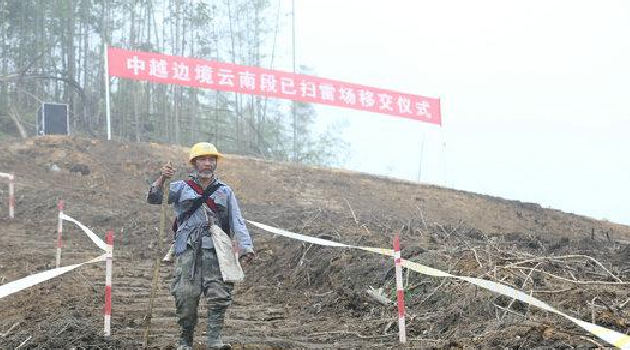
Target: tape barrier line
(99, 242)
(615, 338)
(612, 337)
(319, 241)
(31, 280)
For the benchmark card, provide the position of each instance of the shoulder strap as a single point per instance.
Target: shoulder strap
(195, 186)
(205, 197)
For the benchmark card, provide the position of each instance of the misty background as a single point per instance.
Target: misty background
(533, 94)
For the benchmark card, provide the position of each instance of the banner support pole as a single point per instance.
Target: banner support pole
(106, 79)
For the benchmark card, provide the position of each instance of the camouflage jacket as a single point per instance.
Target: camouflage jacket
(196, 225)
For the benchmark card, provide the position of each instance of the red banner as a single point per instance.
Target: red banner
(207, 74)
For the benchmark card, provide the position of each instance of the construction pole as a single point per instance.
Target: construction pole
(293, 106)
(158, 260)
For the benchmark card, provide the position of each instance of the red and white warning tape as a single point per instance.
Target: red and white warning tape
(31, 280)
(99, 242)
(612, 337)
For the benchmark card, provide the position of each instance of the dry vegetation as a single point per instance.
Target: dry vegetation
(300, 295)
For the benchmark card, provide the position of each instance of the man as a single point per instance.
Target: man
(196, 266)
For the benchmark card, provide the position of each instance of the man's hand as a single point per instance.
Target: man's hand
(247, 258)
(168, 171)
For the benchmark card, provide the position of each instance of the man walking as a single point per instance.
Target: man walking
(201, 202)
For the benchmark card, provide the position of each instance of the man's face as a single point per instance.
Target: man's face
(206, 165)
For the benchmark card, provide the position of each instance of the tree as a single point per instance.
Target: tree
(53, 51)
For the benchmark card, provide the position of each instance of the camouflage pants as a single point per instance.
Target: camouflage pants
(187, 288)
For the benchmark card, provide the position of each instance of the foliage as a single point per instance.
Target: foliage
(52, 51)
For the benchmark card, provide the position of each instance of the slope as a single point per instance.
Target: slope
(299, 295)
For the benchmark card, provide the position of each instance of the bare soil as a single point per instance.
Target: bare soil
(298, 295)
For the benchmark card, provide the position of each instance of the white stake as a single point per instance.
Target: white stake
(59, 229)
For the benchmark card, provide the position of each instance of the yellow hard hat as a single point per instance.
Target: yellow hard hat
(203, 149)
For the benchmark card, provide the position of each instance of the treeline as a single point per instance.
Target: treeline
(53, 51)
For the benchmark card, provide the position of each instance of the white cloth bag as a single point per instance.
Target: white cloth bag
(228, 258)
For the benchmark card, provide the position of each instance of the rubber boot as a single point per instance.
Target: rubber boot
(186, 341)
(216, 319)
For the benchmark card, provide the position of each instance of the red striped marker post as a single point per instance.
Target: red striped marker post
(401, 291)
(107, 310)
(11, 196)
(59, 229)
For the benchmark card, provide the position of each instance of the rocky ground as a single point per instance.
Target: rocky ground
(298, 295)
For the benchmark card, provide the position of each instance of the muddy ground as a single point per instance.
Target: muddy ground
(298, 295)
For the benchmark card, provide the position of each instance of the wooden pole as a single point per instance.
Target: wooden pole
(158, 260)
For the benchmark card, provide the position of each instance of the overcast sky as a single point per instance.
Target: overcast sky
(535, 94)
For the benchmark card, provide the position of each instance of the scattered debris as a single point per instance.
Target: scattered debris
(301, 295)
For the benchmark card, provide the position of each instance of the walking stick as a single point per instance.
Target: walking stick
(158, 260)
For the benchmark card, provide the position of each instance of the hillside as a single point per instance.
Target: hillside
(299, 295)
